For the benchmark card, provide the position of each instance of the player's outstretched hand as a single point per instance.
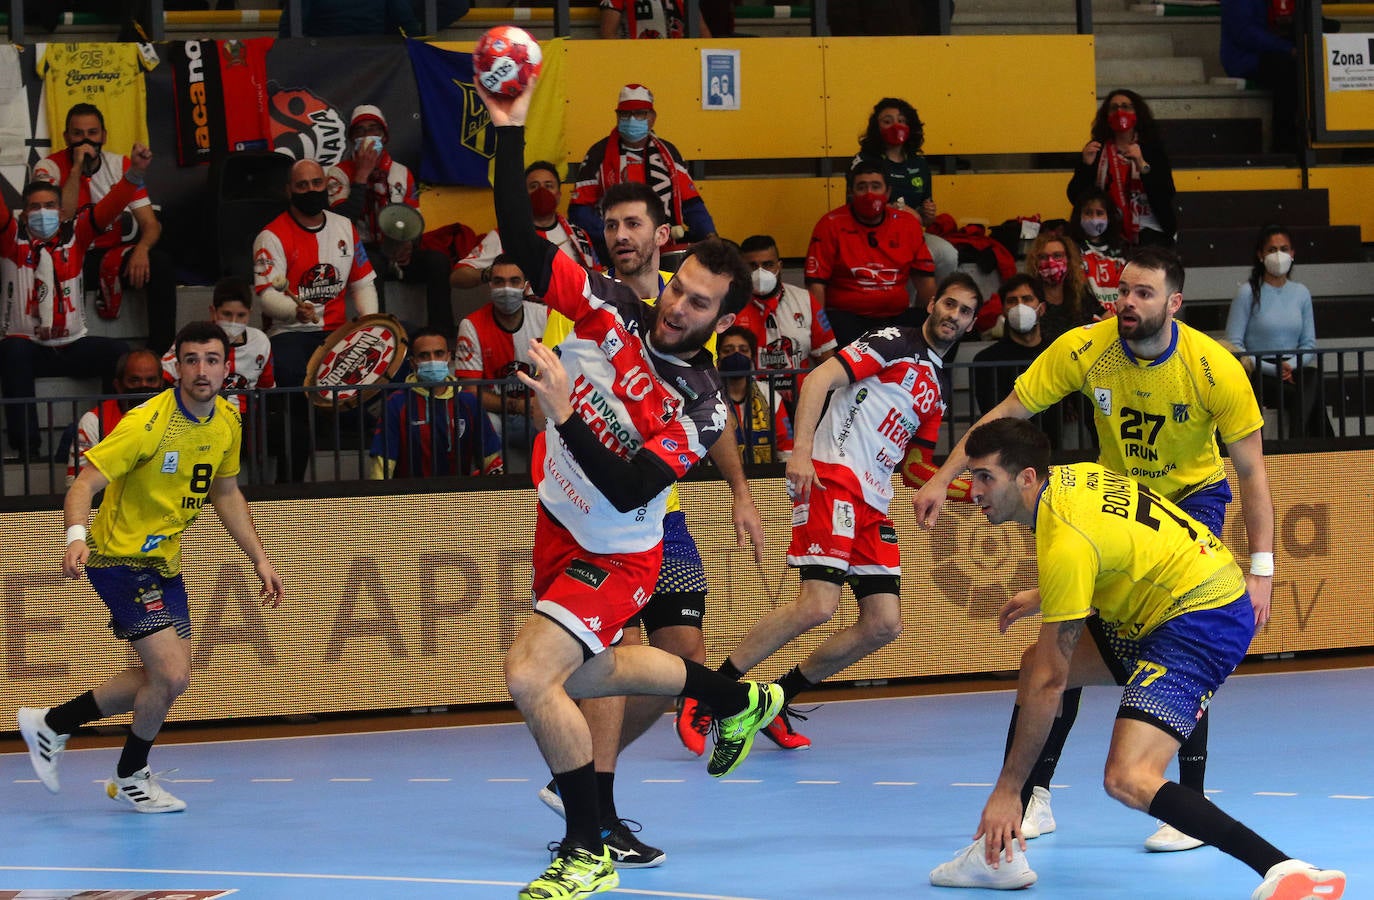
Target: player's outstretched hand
(927, 502)
(1001, 826)
(507, 110)
(549, 383)
(1261, 588)
(801, 475)
(748, 527)
(74, 560)
(1022, 604)
(272, 591)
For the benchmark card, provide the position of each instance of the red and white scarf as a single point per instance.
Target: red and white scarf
(1114, 175)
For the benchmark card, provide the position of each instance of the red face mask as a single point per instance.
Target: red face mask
(1122, 121)
(869, 206)
(895, 135)
(543, 202)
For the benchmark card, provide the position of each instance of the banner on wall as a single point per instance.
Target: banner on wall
(221, 97)
(1350, 62)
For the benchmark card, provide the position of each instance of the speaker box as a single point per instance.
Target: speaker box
(249, 189)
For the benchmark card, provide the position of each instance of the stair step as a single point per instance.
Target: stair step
(1133, 45)
(1144, 74)
(1312, 244)
(1211, 136)
(1251, 209)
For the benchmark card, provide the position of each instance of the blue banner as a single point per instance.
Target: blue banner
(458, 141)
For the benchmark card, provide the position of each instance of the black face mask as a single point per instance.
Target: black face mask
(310, 203)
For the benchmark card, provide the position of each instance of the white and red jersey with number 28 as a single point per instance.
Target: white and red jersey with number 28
(634, 400)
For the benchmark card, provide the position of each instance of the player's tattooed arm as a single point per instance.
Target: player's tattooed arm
(1067, 637)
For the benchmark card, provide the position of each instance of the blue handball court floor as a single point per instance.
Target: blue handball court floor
(890, 789)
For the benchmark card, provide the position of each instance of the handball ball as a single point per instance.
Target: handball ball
(506, 59)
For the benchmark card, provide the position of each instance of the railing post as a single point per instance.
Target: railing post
(820, 18)
(1083, 14)
(17, 22)
(562, 18)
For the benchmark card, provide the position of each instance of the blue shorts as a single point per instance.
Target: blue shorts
(141, 601)
(1170, 674)
(1208, 505)
(680, 592)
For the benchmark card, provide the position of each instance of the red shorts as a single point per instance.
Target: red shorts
(838, 529)
(591, 595)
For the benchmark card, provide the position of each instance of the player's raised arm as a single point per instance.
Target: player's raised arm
(930, 499)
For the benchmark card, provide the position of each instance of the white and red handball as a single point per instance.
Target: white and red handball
(506, 59)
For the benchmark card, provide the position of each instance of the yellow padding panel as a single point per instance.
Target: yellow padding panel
(1350, 188)
(1237, 180)
(996, 197)
(786, 208)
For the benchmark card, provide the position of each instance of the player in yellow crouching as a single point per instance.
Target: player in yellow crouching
(157, 468)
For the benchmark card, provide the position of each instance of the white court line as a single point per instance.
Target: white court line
(326, 877)
(272, 780)
(351, 780)
(190, 780)
(811, 781)
(1350, 797)
(741, 781)
(665, 781)
(897, 783)
(432, 780)
(1275, 794)
(971, 784)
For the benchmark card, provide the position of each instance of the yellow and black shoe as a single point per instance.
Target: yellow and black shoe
(573, 873)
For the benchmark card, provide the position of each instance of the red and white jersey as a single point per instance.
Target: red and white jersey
(790, 327)
(316, 265)
(865, 269)
(1103, 266)
(94, 424)
(250, 366)
(55, 168)
(43, 281)
(576, 245)
(634, 399)
(896, 396)
(391, 182)
(486, 350)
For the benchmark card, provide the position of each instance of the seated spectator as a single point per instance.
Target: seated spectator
(645, 19)
(1271, 316)
(432, 428)
(1095, 227)
(633, 152)
(1023, 303)
(542, 181)
(250, 352)
(365, 183)
(43, 306)
(789, 327)
(863, 254)
(1054, 260)
(123, 257)
(138, 376)
(763, 429)
(1125, 157)
(493, 344)
(894, 137)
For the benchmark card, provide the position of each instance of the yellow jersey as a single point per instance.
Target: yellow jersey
(560, 326)
(160, 461)
(108, 75)
(1156, 420)
(1105, 542)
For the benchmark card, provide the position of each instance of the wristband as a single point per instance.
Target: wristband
(76, 533)
(1262, 564)
(135, 177)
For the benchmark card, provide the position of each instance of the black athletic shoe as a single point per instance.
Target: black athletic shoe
(628, 851)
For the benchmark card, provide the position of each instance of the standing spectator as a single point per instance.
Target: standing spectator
(85, 172)
(1257, 45)
(364, 184)
(250, 351)
(493, 344)
(1126, 158)
(763, 430)
(44, 310)
(1095, 227)
(545, 187)
(634, 152)
(303, 262)
(1272, 314)
(1054, 259)
(894, 137)
(645, 19)
(432, 429)
(861, 256)
(137, 377)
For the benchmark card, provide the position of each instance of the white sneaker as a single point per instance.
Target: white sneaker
(1039, 818)
(45, 745)
(1294, 879)
(969, 869)
(1168, 839)
(141, 791)
(552, 799)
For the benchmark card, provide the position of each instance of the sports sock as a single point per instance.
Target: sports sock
(794, 682)
(73, 714)
(1043, 772)
(134, 757)
(723, 695)
(1192, 756)
(578, 788)
(605, 796)
(728, 669)
(1195, 815)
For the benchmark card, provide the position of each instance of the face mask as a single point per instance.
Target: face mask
(42, 223)
(1122, 121)
(1022, 318)
(869, 206)
(764, 282)
(543, 202)
(235, 330)
(895, 135)
(507, 299)
(1093, 227)
(1052, 271)
(310, 203)
(371, 140)
(633, 129)
(735, 363)
(432, 371)
(1278, 263)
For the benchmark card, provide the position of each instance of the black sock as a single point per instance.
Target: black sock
(605, 796)
(728, 669)
(1043, 773)
(1192, 757)
(794, 682)
(135, 755)
(578, 788)
(723, 695)
(73, 714)
(1196, 816)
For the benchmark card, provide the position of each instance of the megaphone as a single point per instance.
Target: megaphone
(400, 223)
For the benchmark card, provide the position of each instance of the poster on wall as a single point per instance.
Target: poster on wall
(1350, 62)
(720, 87)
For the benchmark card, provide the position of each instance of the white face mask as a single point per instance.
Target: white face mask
(507, 299)
(764, 282)
(1022, 318)
(1278, 263)
(235, 330)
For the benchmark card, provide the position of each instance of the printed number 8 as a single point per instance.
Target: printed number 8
(200, 478)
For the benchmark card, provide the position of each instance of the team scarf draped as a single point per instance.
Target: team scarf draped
(1114, 175)
(611, 172)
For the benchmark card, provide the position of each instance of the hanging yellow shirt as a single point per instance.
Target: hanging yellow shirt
(107, 75)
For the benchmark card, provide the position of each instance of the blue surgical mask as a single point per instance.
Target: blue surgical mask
(432, 371)
(633, 129)
(42, 223)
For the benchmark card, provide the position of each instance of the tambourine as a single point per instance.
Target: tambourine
(367, 351)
